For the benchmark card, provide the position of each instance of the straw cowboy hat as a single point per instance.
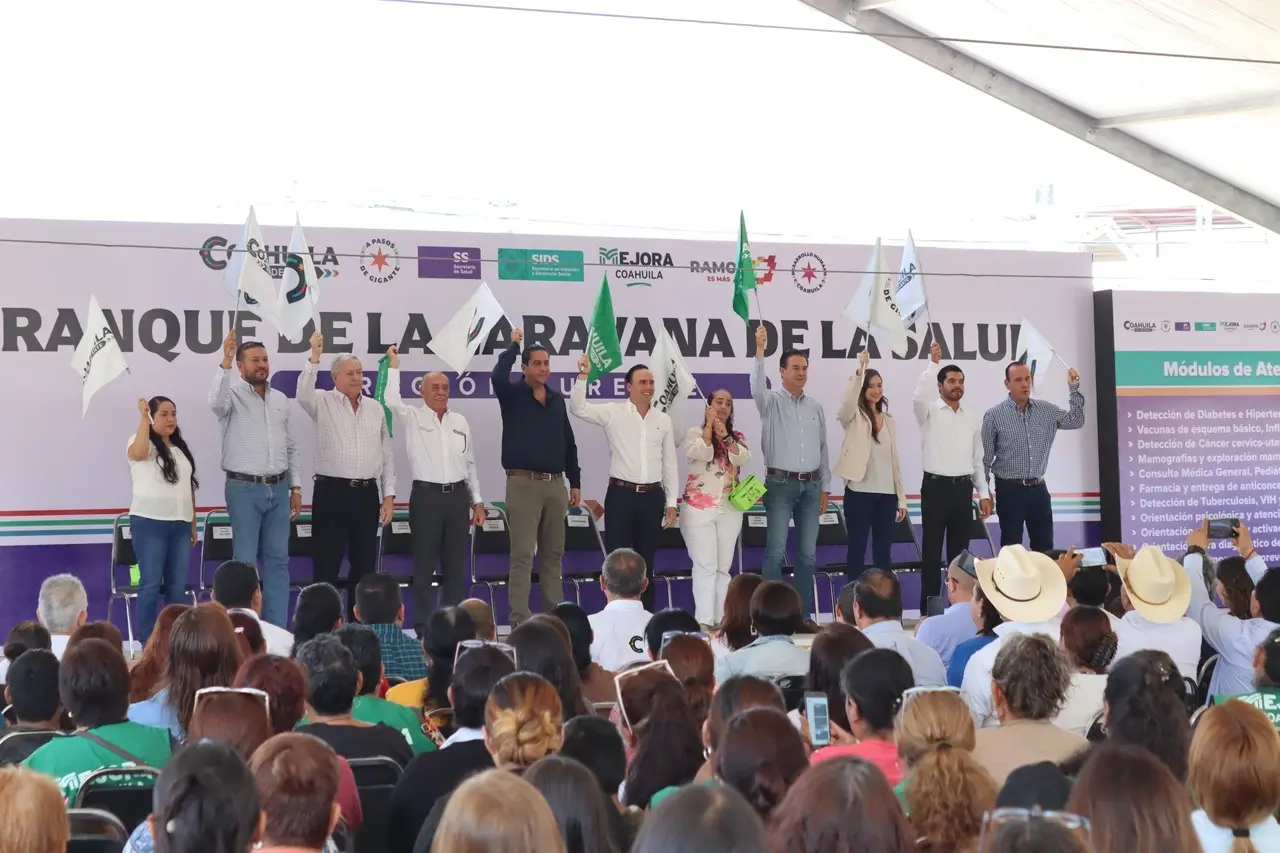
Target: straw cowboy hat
(1024, 586)
(1158, 588)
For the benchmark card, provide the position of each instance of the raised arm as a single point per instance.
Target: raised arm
(926, 386)
(697, 442)
(140, 445)
(597, 413)
(501, 376)
(391, 396)
(1073, 418)
(307, 396)
(852, 389)
(760, 382)
(220, 394)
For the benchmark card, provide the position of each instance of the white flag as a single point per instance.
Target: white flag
(874, 306)
(462, 336)
(1034, 350)
(248, 275)
(672, 380)
(97, 359)
(299, 292)
(911, 299)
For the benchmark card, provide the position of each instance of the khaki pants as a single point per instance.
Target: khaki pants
(535, 513)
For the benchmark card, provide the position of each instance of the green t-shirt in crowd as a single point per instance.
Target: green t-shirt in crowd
(70, 760)
(900, 791)
(1265, 699)
(371, 709)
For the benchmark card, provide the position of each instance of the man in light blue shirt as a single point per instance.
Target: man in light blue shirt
(1235, 640)
(795, 459)
(259, 456)
(877, 608)
(954, 625)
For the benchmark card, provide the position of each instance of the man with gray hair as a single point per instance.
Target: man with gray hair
(63, 607)
(354, 460)
(618, 629)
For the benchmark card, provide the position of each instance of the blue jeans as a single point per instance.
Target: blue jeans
(163, 551)
(874, 516)
(260, 537)
(784, 500)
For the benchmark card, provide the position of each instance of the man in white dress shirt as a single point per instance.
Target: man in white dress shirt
(354, 457)
(445, 500)
(1235, 640)
(877, 609)
(951, 436)
(953, 626)
(618, 630)
(1028, 589)
(643, 480)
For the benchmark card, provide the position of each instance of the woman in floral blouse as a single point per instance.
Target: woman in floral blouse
(709, 523)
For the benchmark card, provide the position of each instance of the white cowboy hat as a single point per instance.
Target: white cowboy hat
(1024, 586)
(1158, 588)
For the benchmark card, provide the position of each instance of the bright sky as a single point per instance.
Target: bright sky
(359, 112)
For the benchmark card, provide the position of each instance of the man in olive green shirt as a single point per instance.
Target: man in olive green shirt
(93, 683)
(368, 708)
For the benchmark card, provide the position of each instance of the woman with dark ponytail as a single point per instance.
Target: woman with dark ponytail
(661, 728)
(162, 516)
(761, 755)
(205, 802)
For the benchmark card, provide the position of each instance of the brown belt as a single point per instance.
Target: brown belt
(534, 475)
(635, 487)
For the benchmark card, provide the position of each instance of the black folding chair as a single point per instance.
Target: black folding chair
(492, 537)
(215, 545)
(396, 541)
(792, 687)
(582, 535)
(16, 747)
(122, 791)
(755, 534)
(376, 779)
(95, 831)
(905, 534)
(122, 555)
(672, 539)
(978, 530)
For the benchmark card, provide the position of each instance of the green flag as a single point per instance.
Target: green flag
(744, 276)
(380, 389)
(604, 352)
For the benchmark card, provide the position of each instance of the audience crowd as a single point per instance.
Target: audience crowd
(1045, 708)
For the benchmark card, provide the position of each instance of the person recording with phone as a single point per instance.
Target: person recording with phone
(710, 524)
(951, 439)
(162, 516)
(1236, 640)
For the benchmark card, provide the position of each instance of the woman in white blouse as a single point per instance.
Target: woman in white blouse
(873, 497)
(708, 522)
(162, 515)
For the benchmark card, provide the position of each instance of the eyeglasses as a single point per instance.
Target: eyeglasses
(999, 821)
(668, 636)
(623, 676)
(244, 691)
(467, 645)
(915, 692)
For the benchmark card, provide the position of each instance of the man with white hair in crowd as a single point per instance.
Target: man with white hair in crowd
(63, 607)
(354, 461)
(619, 628)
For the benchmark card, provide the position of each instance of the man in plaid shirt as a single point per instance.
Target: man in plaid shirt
(379, 606)
(1017, 436)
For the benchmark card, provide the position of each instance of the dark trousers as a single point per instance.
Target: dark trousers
(634, 520)
(1019, 505)
(946, 507)
(869, 515)
(344, 521)
(439, 522)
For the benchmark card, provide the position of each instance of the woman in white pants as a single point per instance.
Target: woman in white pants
(708, 522)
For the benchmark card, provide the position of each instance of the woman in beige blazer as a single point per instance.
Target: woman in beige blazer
(873, 497)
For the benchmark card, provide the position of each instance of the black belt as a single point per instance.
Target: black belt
(444, 488)
(953, 480)
(261, 479)
(1038, 481)
(792, 475)
(343, 481)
